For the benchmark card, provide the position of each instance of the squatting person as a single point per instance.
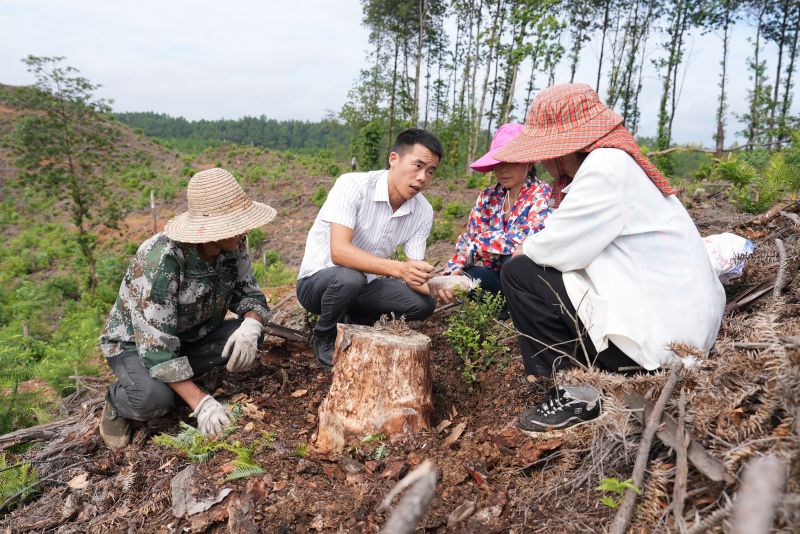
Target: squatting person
(619, 270)
(366, 216)
(168, 322)
(503, 216)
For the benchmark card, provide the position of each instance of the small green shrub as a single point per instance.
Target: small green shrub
(334, 170)
(441, 230)
(255, 238)
(17, 482)
(754, 191)
(272, 272)
(475, 335)
(739, 172)
(479, 181)
(301, 450)
(254, 174)
(436, 203)
(319, 196)
(456, 210)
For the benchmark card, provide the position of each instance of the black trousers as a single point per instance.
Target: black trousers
(137, 395)
(336, 292)
(553, 335)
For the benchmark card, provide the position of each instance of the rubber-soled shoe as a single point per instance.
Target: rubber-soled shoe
(565, 407)
(323, 350)
(114, 429)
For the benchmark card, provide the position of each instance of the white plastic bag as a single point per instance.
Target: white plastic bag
(728, 253)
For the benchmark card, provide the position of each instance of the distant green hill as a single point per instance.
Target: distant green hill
(257, 131)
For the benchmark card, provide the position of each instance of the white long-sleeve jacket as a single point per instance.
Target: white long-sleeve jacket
(633, 262)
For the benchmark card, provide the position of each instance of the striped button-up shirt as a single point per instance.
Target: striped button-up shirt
(360, 201)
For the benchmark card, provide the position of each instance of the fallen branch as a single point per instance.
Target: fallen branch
(795, 218)
(446, 307)
(625, 512)
(712, 520)
(770, 213)
(755, 504)
(284, 332)
(43, 432)
(701, 459)
(702, 150)
(750, 295)
(780, 278)
(681, 465)
(414, 504)
(283, 301)
(789, 342)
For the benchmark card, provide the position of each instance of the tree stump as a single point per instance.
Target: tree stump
(381, 384)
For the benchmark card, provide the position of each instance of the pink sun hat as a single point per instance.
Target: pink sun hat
(504, 134)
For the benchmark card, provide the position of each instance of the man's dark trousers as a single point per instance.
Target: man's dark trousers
(336, 292)
(138, 396)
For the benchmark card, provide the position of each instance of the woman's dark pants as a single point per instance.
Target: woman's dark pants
(553, 336)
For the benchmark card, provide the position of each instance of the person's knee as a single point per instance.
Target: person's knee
(349, 279)
(422, 308)
(511, 271)
(154, 399)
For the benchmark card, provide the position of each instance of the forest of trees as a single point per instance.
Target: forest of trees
(258, 131)
(455, 66)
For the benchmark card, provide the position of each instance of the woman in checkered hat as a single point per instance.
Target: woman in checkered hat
(619, 271)
(502, 217)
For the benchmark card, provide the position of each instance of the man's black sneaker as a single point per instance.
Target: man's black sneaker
(565, 407)
(323, 350)
(114, 429)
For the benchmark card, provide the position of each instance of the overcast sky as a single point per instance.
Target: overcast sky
(292, 59)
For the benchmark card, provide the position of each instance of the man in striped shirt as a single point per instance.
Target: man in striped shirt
(366, 216)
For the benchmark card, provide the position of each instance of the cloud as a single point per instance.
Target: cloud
(295, 59)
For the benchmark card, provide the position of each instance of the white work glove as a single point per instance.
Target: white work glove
(212, 417)
(242, 346)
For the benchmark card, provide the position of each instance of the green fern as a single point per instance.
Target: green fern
(194, 445)
(244, 465)
(17, 481)
(381, 452)
(244, 472)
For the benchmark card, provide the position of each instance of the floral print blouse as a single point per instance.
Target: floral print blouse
(489, 237)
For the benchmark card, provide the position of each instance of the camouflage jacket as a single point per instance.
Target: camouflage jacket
(171, 295)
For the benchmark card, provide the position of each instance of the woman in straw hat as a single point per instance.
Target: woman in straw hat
(619, 271)
(168, 322)
(503, 215)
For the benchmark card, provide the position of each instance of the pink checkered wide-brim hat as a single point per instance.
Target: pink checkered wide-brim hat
(563, 119)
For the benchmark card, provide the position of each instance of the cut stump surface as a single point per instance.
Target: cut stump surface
(381, 384)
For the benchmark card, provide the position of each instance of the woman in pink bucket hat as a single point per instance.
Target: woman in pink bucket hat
(503, 215)
(619, 272)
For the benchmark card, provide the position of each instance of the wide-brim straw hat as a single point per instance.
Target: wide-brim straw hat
(563, 119)
(504, 134)
(218, 209)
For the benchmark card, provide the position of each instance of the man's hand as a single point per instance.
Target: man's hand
(212, 417)
(415, 272)
(242, 345)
